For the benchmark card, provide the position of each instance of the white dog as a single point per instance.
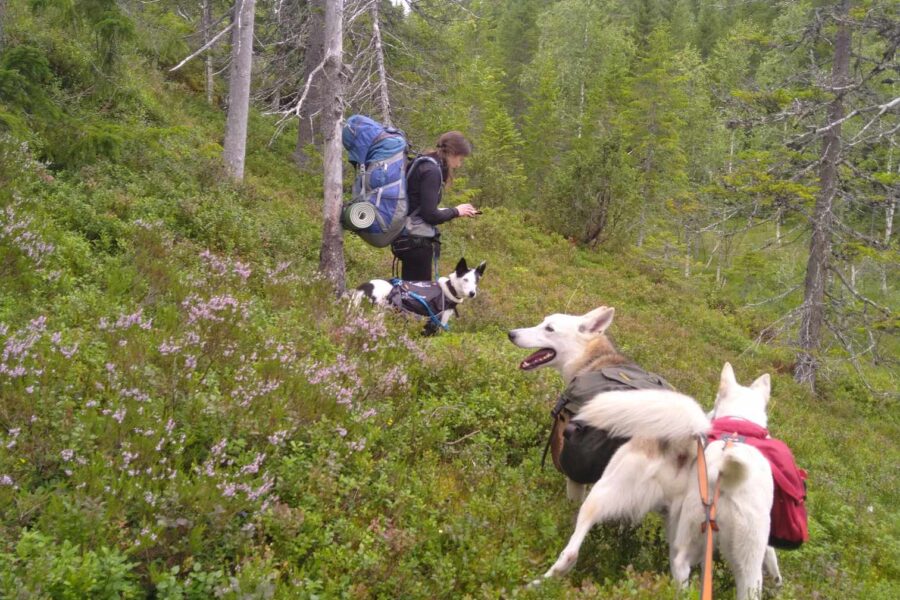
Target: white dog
(436, 300)
(657, 470)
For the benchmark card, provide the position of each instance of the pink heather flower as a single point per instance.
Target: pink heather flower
(219, 448)
(6, 480)
(190, 362)
(38, 325)
(119, 415)
(277, 438)
(369, 413)
(242, 270)
(168, 347)
(229, 490)
(341, 431)
(67, 454)
(253, 468)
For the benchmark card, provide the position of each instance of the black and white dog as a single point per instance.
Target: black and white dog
(436, 300)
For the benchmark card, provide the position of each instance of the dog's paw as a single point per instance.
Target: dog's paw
(575, 492)
(563, 564)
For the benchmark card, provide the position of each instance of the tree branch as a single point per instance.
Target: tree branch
(204, 47)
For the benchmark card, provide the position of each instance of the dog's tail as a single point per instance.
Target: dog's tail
(731, 465)
(660, 414)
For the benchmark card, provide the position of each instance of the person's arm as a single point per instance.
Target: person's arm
(429, 197)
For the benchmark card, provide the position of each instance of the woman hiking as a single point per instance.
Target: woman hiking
(419, 246)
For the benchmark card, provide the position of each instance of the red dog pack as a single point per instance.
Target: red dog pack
(789, 520)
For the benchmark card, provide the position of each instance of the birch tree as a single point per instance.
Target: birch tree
(235, 146)
(331, 256)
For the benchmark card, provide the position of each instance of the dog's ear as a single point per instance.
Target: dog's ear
(597, 320)
(480, 268)
(461, 267)
(727, 380)
(763, 384)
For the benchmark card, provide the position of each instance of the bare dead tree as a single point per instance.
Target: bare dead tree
(206, 25)
(2, 19)
(235, 144)
(383, 96)
(331, 255)
(836, 142)
(310, 105)
(813, 309)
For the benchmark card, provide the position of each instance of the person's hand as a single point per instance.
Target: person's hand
(467, 210)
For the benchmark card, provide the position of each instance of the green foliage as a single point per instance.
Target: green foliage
(41, 567)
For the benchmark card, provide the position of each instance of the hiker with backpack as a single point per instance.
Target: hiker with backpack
(394, 201)
(419, 246)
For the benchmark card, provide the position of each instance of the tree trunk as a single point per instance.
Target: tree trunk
(206, 24)
(310, 129)
(812, 315)
(239, 89)
(888, 230)
(331, 256)
(383, 97)
(888, 219)
(2, 19)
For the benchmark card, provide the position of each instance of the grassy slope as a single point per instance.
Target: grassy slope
(447, 499)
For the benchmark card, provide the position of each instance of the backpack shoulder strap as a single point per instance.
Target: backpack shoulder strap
(420, 159)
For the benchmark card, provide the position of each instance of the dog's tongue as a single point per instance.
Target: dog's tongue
(537, 359)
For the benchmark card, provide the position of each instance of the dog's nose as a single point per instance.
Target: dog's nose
(471, 294)
(512, 335)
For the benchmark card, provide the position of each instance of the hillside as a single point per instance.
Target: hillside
(186, 411)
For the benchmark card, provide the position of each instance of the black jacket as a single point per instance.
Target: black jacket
(424, 185)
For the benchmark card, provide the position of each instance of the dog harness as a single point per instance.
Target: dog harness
(580, 451)
(424, 298)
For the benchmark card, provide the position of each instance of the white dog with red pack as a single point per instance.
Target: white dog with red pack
(657, 470)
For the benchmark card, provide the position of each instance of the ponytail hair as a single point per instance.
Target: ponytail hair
(452, 143)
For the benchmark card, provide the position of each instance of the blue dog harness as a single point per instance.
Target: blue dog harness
(425, 298)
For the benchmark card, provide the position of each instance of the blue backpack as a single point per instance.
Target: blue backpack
(378, 206)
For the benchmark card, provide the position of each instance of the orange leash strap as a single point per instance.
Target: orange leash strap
(709, 524)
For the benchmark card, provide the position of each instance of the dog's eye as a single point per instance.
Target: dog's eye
(548, 328)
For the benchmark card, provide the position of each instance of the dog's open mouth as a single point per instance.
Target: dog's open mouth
(544, 355)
